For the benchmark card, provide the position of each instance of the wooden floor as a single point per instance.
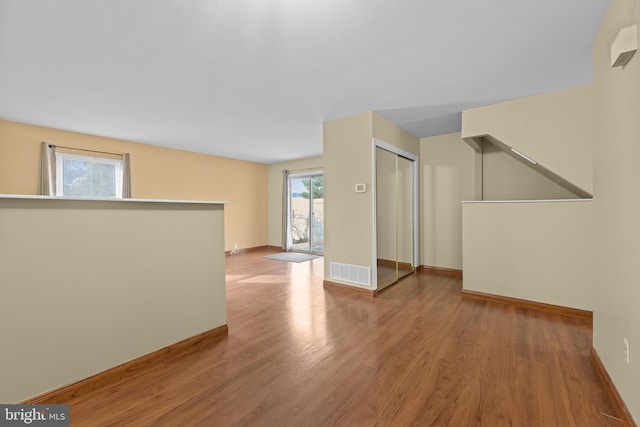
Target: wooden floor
(418, 354)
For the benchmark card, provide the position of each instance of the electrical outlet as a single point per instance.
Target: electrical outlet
(625, 349)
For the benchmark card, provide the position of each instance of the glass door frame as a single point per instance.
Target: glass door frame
(301, 175)
(414, 202)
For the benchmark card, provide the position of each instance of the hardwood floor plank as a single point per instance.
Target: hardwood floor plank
(418, 354)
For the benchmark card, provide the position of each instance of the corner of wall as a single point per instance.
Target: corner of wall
(616, 208)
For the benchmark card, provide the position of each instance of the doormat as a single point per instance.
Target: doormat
(291, 257)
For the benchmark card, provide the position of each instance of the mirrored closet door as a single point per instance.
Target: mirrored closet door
(394, 217)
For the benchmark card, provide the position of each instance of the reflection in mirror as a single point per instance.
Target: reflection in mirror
(404, 216)
(394, 210)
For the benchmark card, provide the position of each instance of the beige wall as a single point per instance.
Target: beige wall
(157, 173)
(79, 298)
(555, 129)
(348, 160)
(505, 178)
(348, 215)
(617, 205)
(387, 131)
(275, 192)
(537, 251)
(446, 178)
(562, 130)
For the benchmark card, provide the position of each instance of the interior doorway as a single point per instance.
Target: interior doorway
(306, 213)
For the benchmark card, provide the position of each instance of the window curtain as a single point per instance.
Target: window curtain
(47, 185)
(126, 176)
(286, 237)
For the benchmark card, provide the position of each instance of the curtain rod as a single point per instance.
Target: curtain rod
(82, 149)
(305, 170)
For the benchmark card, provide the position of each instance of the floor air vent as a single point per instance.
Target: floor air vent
(351, 273)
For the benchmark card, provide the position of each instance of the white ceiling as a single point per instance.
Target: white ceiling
(255, 79)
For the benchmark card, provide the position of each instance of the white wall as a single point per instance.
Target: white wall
(617, 205)
(88, 285)
(447, 166)
(537, 251)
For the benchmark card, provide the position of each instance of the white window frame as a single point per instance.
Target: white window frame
(61, 157)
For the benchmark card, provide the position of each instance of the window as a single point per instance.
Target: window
(86, 176)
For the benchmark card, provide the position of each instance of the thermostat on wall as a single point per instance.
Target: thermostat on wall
(361, 188)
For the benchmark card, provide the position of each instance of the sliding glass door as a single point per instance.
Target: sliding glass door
(306, 212)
